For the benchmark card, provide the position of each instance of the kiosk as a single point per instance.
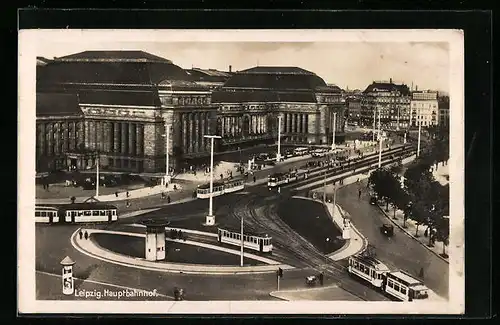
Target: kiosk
(346, 229)
(155, 249)
(68, 282)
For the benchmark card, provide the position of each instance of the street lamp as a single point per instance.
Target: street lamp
(210, 219)
(242, 242)
(326, 256)
(97, 175)
(334, 130)
(374, 117)
(379, 141)
(278, 154)
(167, 140)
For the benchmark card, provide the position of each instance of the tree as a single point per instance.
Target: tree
(443, 233)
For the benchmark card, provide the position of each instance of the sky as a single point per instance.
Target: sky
(347, 64)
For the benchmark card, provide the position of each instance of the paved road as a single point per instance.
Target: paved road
(400, 252)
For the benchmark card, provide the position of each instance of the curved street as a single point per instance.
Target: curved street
(399, 252)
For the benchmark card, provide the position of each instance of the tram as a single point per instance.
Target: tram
(369, 269)
(75, 213)
(228, 185)
(278, 179)
(257, 242)
(399, 285)
(46, 214)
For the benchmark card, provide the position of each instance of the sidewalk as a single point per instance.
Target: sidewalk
(355, 244)
(121, 196)
(411, 230)
(90, 248)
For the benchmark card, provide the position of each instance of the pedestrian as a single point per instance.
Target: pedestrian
(86, 235)
(162, 195)
(254, 178)
(128, 203)
(80, 233)
(359, 194)
(128, 194)
(279, 189)
(168, 199)
(116, 194)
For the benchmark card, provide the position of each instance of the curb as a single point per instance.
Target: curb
(410, 235)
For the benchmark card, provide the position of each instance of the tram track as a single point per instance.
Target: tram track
(329, 172)
(287, 240)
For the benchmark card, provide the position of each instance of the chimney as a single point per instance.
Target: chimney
(230, 69)
(390, 80)
(416, 87)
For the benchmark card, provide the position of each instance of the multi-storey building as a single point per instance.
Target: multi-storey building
(353, 109)
(251, 101)
(126, 98)
(424, 108)
(115, 106)
(444, 111)
(390, 100)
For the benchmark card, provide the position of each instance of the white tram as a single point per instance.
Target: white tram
(46, 214)
(258, 242)
(278, 179)
(397, 284)
(76, 213)
(228, 185)
(405, 287)
(369, 269)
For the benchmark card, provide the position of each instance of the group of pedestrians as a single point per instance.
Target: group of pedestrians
(83, 235)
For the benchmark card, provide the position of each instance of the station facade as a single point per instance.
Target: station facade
(115, 106)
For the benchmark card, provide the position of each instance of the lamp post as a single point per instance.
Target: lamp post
(374, 116)
(278, 154)
(397, 126)
(334, 130)
(97, 175)
(326, 256)
(242, 242)
(379, 142)
(210, 220)
(167, 140)
(418, 143)
(334, 197)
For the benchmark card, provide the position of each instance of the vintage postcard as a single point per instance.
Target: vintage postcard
(241, 171)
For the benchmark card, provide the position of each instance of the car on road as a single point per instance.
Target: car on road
(312, 280)
(387, 230)
(319, 153)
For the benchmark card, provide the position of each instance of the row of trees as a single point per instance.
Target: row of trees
(418, 194)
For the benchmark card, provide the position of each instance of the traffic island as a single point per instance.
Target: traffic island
(176, 252)
(311, 220)
(118, 248)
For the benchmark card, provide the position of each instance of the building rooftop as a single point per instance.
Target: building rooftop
(387, 87)
(109, 68)
(113, 56)
(57, 104)
(242, 96)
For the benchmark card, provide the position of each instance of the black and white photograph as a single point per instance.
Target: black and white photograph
(241, 171)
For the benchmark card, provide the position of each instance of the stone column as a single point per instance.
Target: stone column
(192, 134)
(124, 142)
(109, 137)
(48, 129)
(289, 123)
(184, 131)
(116, 137)
(98, 138)
(197, 141)
(87, 134)
(202, 131)
(139, 134)
(131, 139)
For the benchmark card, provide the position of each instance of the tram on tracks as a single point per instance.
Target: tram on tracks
(228, 185)
(75, 213)
(399, 285)
(278, 179)
(254, 241)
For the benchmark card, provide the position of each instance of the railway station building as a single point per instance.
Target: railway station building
(115, 106)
